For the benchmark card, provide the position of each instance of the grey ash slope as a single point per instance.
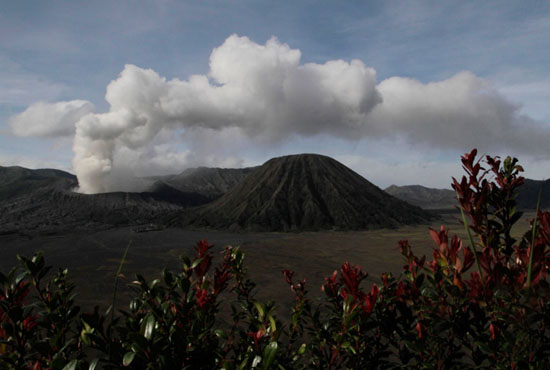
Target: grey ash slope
(305, 192)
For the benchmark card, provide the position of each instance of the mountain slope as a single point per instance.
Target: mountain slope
(43, 201)
(423, 197)
(208, 182)
(305, 192)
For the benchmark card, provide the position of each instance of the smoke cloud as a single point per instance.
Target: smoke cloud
(265, 92)
(262, 90)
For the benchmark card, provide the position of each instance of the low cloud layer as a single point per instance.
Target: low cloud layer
(264, 92)
(50, 119)
(31, 162)
(461, 112)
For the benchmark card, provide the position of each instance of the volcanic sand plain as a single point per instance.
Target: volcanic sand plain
(94, 257)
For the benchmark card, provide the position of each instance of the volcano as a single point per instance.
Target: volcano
(305, 192)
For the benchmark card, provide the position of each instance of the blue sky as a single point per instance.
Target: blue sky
(436, 67)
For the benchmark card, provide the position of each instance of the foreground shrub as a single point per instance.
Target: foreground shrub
(37, 318)
(483, 303)
(174, 323)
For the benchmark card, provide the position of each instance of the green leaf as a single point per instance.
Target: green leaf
(133, 305)
(270, 352)
(71, 365)
(185, 262)
(196, 262)
(347, 345)
(153, 284)
(128, 358)
(260, 308)
(272, 323)
(220, 334)
(108, 310)
(93, 364)
(243, 363)
(149, 326)
(256, 361)
(20, 277)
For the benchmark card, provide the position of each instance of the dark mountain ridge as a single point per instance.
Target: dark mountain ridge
(16, 181)
(44, 201)
(300, 192)
(208, 182)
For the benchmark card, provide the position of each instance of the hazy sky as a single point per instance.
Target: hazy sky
(395, 90)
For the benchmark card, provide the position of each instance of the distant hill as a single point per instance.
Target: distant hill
(423, 197)
(430, 198)
(529, 193)
(16, 181)
(208, 182)
(305, 192)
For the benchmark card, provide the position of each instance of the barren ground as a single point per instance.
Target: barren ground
(93, 258)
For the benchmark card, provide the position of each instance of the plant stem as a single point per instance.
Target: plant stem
(533, 237)
(116, 280)
(465, 222)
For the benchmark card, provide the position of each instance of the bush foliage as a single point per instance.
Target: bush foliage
(482, 303)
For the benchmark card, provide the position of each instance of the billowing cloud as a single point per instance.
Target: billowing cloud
(461, 112)
(50, 119)
(264, 93)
